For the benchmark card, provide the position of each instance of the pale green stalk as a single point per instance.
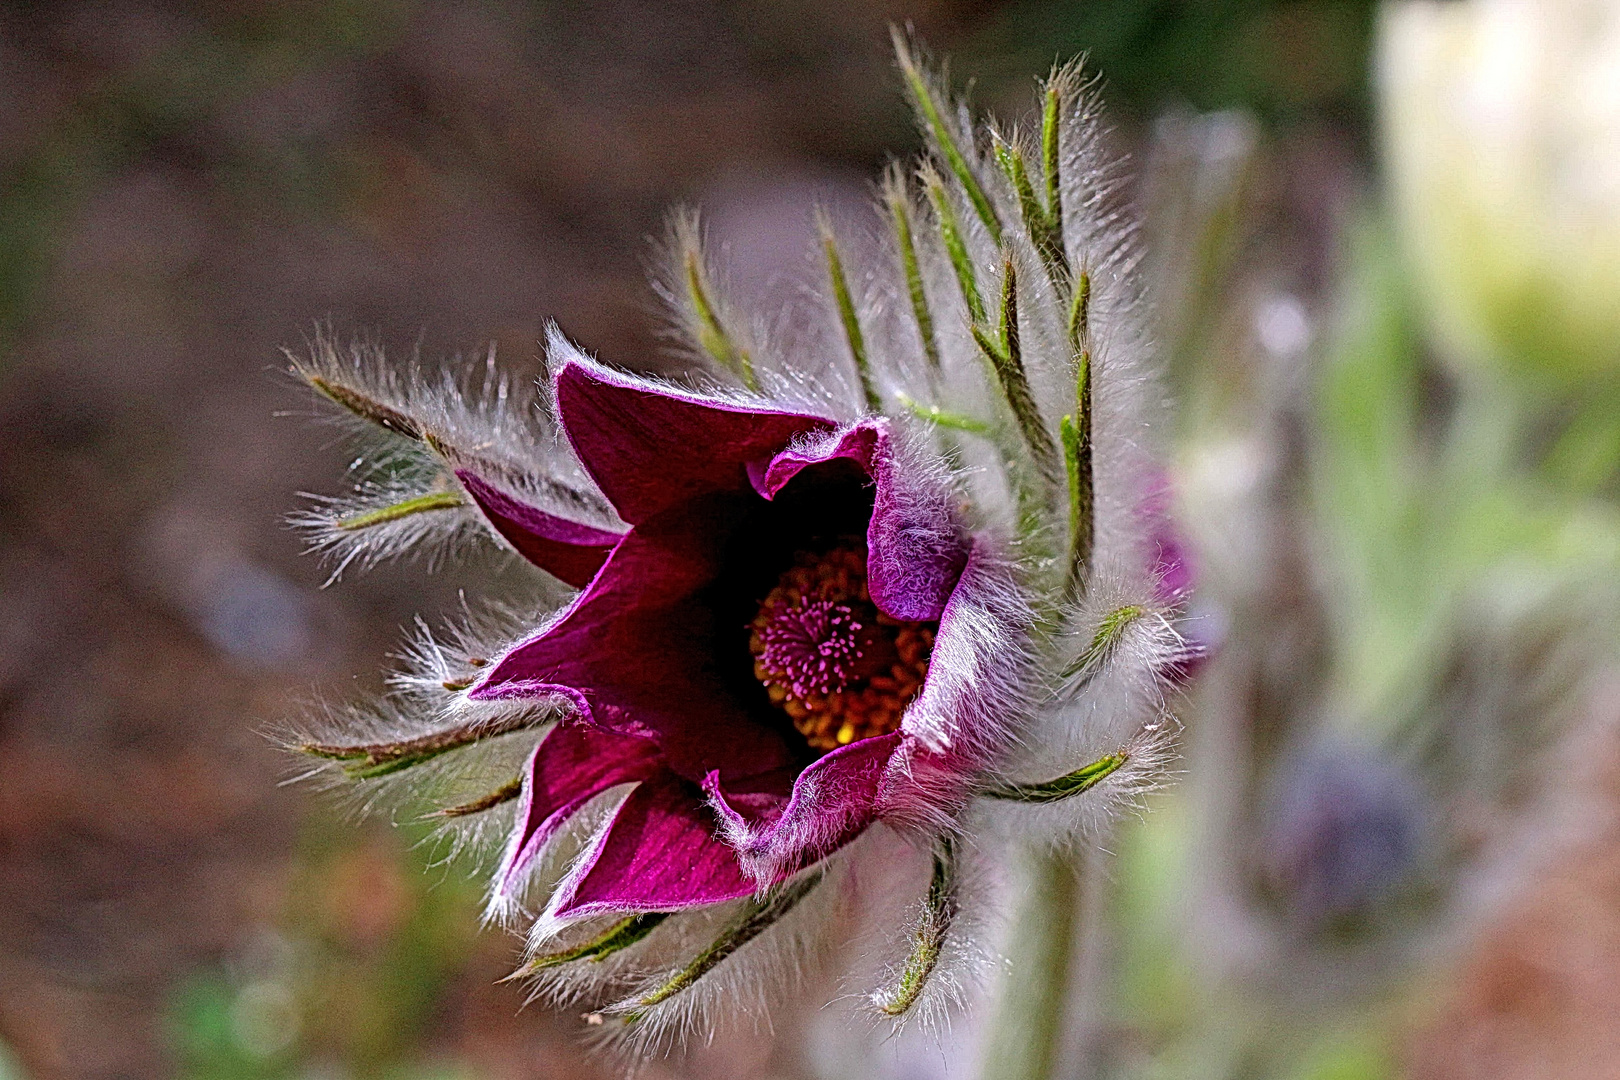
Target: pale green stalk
(1024, 1032)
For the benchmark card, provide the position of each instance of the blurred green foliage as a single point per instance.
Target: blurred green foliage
(372, 930)
(1431, 509)
(1283, 59)
(9, 1068)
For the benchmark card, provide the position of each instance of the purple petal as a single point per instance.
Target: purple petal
(1174, 575)
(914, 552)
(976, 676)
(924, 789)
(650, 447)
(571, 766)
(832, 801)
(568, 549)
(1173, 572)
(658, 854)
(637, 647)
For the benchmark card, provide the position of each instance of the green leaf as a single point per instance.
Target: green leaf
(420, 504)
(847, 316)
(621, 935)
(366, 407)
(955, 246)
(940, 417)
(900, 214)
(923, 96)
(1007, 360)
(1107, 638)
(712, 333)
(757, 916)
(365, 761)
(1067, 786)
(503, 794)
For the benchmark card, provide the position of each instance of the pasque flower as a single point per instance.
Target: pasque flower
(756, 652)
(890, 585)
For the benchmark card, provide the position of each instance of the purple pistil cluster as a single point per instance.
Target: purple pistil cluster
(810, 646)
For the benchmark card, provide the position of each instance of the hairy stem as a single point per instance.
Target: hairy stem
(757, 917)
(1045, 230)
(939, 911)
(503, 794)
(1006, 357)
(847, 316)
(621, 935)
(923, 95)
(1051, 157)
(950, 234)
(367, 408)
(900, 213)
(1078, 782)
(942, 418)
(1083, 482)
(1107, 638)
(363, 761)
(712, 333)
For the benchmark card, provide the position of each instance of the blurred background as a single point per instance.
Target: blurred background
(1385, 246)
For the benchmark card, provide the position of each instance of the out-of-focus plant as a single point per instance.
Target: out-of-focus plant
(9, 1068)
(1414, 601)
(1501, 135)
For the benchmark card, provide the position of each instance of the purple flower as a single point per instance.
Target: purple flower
(900, 597)
(756, 652)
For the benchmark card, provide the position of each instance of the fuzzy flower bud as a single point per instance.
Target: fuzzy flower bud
(1501, 123)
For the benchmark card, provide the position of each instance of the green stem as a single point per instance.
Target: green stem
(367, 408)
(1107, 638)
(1078, 446)
(1067, 786)
(1028, 1018)
(365, 761)
(1080, 312)
(712, 333)
(503, 794)
(901, 215)
(1051, 125)
(940, 417)
(1044, 229)
(955, 246)
(621, 935)
(1069, 433)
(757, 917)
(1006, 357)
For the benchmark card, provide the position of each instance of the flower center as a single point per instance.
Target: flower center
(840, 669)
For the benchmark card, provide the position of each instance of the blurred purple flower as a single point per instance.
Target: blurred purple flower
(1175, 574)
(1345, 831)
